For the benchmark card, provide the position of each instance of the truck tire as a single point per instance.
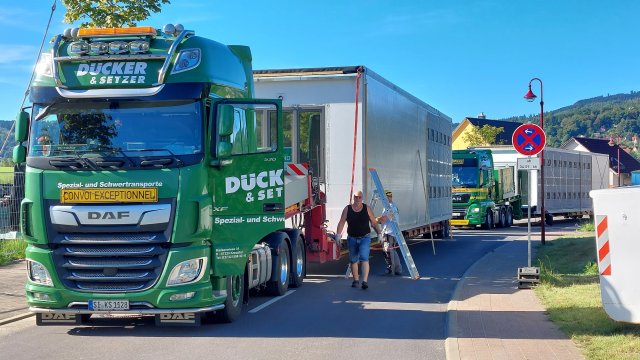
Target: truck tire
(234, 302)
(488, 225)
(280, 285)
(509, 217)
(298, 264)
(502, 222)
(548, 219)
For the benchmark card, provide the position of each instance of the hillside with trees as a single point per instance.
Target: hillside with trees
(598, 117)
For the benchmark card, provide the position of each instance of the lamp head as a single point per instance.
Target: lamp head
(530, 96)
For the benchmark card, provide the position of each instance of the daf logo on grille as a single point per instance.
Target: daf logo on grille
(107, 215)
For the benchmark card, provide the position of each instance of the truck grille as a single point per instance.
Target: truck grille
(459, 213)
(105, 263)
(461, 197)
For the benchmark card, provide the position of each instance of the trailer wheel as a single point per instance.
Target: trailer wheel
(299, 265)
(280, 285)
(233, 304)
(548, 219)
(509, 217)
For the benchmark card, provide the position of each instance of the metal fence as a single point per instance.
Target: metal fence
(11, 194)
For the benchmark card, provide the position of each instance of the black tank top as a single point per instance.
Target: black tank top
(358, 222)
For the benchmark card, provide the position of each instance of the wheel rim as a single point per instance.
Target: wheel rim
(299, 262)
(284, 269)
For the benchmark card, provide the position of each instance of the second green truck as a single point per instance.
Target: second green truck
(482, 193)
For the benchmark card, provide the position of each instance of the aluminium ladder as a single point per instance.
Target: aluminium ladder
(395, 228)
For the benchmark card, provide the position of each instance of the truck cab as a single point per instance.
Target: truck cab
(155, 182)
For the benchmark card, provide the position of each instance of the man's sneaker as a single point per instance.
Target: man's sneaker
(364, 285)
(355, 283)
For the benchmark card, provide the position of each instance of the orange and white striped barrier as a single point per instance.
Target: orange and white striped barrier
(602, 242)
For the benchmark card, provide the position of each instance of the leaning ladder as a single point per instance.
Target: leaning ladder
(378, 193)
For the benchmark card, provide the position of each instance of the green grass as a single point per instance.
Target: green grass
(11, 250)
(570, 291)
(587, 226)
(6, 175)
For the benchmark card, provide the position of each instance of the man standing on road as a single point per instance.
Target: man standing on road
(388, 241)
(358, 216)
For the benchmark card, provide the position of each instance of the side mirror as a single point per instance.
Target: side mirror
(19, 154)
(225, 120)
(22, 124)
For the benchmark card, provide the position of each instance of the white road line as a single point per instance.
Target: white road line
(258, 308)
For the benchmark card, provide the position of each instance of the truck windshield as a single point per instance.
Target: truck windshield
(465, 176)
(130, 128)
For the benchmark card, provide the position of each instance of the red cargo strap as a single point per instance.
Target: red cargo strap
(355, 133)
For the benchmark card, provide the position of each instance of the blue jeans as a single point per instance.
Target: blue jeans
(359, 248)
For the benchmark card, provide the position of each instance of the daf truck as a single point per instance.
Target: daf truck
(156, 182)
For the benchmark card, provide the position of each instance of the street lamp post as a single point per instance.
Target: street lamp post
(530, 96)
(611, 143)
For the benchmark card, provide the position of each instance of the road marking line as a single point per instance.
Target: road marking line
(258, 308)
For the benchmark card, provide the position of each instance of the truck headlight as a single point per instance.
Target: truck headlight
(38, 273)
(186, 60)
(187, 272)
(45, 64)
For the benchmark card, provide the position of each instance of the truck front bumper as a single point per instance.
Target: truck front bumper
(136, 312)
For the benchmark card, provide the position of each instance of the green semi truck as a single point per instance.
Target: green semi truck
(483, 194)
(154, 181)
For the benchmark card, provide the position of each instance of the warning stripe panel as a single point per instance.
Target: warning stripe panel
(297, 169)
(602, 243)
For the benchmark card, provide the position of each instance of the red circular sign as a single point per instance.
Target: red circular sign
(528, 139)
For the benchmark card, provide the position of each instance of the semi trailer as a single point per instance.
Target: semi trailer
(345, 120)
(569, 176)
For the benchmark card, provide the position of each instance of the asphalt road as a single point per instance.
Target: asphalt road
(326, 318)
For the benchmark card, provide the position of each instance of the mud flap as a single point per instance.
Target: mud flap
(178, 319)
(45, 319)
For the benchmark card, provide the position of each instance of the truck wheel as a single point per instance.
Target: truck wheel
(299, 265)
(509, 217)
(503, 218)
(280, 286)
(488, 225)
(548, 219)
(233, 304)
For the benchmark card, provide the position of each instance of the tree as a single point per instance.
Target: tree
(485, 135)
(110, 13)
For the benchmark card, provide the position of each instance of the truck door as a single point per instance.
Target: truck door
(246, 178)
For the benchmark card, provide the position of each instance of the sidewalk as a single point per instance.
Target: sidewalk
(490, 318)
(13, 305)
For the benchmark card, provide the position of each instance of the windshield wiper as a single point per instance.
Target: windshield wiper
(69, 161)
(159, 162)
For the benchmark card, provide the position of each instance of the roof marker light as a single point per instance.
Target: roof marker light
(107, 32)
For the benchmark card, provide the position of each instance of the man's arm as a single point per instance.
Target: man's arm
(343, 218)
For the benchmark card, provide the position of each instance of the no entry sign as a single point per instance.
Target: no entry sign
(529, 139)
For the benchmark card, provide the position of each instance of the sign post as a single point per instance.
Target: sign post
(529, 140)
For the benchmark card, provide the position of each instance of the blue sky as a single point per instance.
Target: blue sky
(462, 57)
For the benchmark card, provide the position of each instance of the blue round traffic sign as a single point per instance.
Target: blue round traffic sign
(529, 139)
